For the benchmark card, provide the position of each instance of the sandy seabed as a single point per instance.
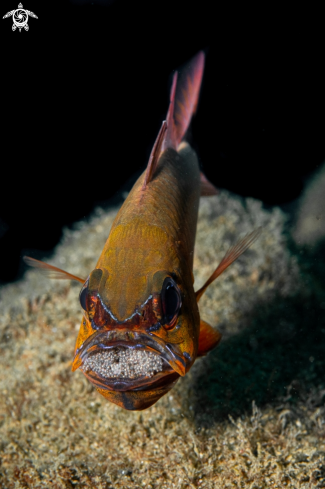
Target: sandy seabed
(250, 414)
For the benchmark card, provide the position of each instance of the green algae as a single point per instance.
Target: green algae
(251, 414)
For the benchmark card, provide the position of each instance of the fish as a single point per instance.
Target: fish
(141, 328)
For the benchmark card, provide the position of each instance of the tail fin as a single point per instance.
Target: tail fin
(184, 98)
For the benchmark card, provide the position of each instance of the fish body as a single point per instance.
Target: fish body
(151, 243)
(141, 328)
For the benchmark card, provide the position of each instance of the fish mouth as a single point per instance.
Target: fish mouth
(122, 360)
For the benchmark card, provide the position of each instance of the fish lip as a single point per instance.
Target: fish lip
(164, 377)
(173, 361)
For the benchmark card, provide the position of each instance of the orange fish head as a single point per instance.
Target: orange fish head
(135, 360)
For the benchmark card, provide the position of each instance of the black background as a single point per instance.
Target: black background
(84, 92)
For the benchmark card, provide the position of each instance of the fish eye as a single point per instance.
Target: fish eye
(83, 296)
(171, 301)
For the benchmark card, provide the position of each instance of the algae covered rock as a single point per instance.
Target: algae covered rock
(310, 222)
(267, 373)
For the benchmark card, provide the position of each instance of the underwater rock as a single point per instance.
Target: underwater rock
(310, 225)
(57, 431)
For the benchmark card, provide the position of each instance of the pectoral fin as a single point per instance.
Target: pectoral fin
(232, 254)
(208, 339)
(50, 270)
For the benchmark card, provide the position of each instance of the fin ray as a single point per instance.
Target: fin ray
(187, 95)
(183, 102)
(154, 156)
(51, 270)
(232, 254)
(169, 141)
(184, 96)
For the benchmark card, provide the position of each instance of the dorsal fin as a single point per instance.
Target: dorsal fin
(154, 155)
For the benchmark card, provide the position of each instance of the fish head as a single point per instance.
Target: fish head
(135, 360)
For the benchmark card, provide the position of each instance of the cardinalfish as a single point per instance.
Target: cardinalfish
(141, 328)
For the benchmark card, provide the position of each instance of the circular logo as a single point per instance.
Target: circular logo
(20, 18)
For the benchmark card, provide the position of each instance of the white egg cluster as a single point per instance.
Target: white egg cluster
(123, 363)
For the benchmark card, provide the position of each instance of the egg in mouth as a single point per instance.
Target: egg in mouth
(123, 363)
(124, 360)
